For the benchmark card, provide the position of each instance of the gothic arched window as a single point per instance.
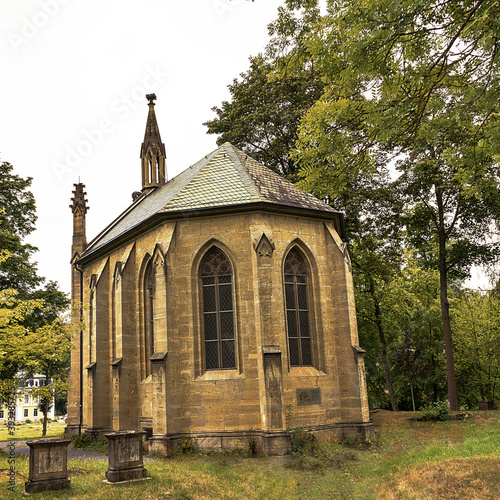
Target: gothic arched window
(149, 332)
(218, 313)
(297, 310)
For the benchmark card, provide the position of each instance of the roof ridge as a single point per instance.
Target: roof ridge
(247, 178)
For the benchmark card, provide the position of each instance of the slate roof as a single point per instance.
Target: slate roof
(227, 177)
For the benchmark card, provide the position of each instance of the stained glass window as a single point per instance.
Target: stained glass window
(218, 311)
(297, 310)
(149, 300)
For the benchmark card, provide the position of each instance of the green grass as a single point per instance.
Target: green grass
(407, 460)
(24, 432)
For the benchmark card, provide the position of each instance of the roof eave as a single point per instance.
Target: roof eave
(205, 212)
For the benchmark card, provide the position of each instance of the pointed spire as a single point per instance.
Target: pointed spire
(152, 152)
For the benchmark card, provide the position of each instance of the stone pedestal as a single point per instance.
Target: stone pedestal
(125, 459)
(48, 465)
(485, 405)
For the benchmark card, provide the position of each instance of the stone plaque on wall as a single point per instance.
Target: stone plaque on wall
(309, 396)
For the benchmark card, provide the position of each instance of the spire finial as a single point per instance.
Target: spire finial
(151, 98)
(79, 201)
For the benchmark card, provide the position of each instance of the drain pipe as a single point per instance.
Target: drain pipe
(80, 419)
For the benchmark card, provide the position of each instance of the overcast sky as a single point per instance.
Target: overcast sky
(74, 75)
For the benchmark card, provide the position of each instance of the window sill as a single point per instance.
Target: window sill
(220, 375)
(306, 371)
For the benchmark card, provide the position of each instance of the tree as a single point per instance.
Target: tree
(32, 333)
(476, 323)
(411, 303)
(443, 220)
(47, 352)
(374, 238)
(263, 115)
(410, 361)
(17, 220)
(385, 64)
(23, 350)
(410, 79)
(13, 332)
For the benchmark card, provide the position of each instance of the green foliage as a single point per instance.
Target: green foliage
(88, 442)
(476, 325)
(439, 410)
(185, 446)
(252, 447)
(390, 67)
(263, 115)
(34, 337)
(17, 220)
(302, 441)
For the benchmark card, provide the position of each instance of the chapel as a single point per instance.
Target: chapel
(219, 306)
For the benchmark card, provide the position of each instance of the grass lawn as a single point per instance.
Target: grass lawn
(407, 460)
(33, 430)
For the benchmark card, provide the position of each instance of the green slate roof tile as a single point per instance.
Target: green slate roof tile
(225, 177)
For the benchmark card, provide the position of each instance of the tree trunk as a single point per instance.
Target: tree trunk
(44, 427)
(445, 307)
(381, 335)
(412, 398)
(45, 408)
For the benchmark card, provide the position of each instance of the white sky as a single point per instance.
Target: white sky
(72, 101)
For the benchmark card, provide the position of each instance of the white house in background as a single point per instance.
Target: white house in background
(26, 403)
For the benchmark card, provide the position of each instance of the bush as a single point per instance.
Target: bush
(185, 446)
(435, 411)
(90, 443)
(302, 441)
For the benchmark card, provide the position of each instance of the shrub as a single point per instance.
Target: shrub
(435, 411)
(252, 446)
(90, 443)
(302, 441)
(185, 446)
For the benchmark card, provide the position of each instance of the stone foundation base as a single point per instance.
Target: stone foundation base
(269, 442)
(46, 485)
(122, 475)
(71, 430)
(120, 483)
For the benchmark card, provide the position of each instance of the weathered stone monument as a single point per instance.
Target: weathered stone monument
(48, 463)
(125, 457)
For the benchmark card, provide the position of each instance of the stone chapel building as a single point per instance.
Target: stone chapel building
(218, 306)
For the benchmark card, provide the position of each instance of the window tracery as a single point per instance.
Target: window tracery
(218, 312)
(297, 309)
